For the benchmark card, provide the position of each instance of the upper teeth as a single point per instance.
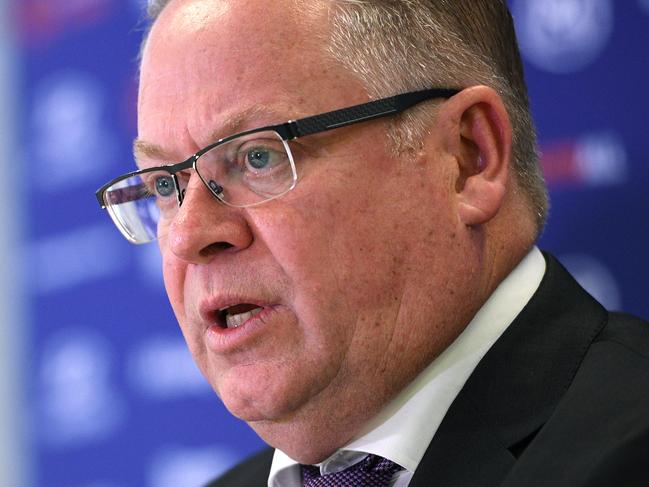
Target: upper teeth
(234, 321)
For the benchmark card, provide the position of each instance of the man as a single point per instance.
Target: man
(366, 282)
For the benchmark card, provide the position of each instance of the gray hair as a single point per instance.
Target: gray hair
(154, 7)
(395, 46)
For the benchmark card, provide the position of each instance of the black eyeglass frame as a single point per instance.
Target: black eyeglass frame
(299, 128)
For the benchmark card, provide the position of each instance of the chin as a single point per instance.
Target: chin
(251, 398)
(246, 410)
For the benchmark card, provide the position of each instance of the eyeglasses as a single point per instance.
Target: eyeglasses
(242, 170)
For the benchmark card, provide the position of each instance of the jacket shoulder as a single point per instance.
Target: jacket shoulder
(252, 472)
(602, 422)
(627, 331)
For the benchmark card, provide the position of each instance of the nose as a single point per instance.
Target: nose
(205, 227)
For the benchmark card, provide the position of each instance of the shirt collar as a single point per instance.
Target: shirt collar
(405, 427)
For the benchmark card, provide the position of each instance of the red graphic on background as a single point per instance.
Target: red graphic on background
(559, 163)
(39, 22)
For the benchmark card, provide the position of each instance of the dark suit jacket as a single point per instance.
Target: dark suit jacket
(561, 399)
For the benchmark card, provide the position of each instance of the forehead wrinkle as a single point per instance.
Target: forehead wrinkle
(142, 148)
(244, 120)
(232, 124)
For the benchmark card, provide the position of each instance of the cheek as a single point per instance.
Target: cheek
(298, 239)
(173, 271)
(341, 274)
(358, 250)
(347, 247)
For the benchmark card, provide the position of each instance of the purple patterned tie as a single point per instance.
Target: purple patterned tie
(373, 471)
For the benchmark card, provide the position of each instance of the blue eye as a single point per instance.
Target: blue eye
(258, 158)
(164, 186)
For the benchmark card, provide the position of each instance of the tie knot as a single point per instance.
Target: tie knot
(372, 471)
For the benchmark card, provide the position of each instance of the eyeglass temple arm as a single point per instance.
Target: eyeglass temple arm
(364, 112)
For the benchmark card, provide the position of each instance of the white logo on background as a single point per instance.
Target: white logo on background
(69, 139)
(163, 368)
(601, 159)
(174, 467)
(563, 36)
(595, 278)
(77, 400)
(69, 259)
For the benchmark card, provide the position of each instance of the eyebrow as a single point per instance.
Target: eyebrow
(232, 125)
(153, 151)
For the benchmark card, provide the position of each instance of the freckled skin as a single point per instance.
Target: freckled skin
(371, 269)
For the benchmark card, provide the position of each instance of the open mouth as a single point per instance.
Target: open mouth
(236, 315)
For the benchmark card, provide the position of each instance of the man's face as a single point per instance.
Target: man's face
(352, 273)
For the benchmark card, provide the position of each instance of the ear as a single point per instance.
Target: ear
(479, 137)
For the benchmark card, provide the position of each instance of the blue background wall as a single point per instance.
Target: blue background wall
(113, 398)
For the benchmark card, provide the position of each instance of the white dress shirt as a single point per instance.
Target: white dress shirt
(405, 427)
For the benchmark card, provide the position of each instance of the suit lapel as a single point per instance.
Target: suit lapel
(516, 386)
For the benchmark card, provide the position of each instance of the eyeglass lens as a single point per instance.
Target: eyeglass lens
(244, 171)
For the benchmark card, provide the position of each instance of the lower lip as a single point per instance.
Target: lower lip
(222, 340)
